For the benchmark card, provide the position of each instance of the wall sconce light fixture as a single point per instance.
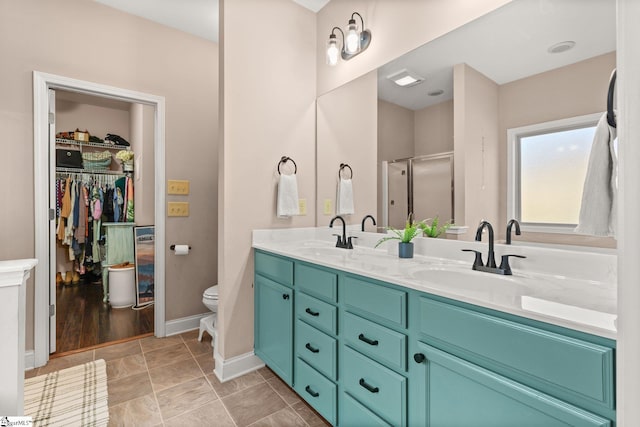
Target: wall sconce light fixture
(353, 43)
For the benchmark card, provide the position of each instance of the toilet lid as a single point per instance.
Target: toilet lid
(211, 293)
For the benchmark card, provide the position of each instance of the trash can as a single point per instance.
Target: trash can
(122, 286)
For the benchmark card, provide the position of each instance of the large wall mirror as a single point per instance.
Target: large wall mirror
(429, 129)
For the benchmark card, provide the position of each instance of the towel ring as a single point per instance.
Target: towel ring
(611, 116)
(342, 167)
(285, 159)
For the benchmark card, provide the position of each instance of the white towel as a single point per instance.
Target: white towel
(287, 204)
(598, 210)
(344, 197)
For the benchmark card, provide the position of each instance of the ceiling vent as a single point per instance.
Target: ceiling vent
(405, 78)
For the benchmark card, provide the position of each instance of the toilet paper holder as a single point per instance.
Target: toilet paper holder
(173, 247)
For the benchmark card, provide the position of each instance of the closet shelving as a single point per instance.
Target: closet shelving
(81, 145)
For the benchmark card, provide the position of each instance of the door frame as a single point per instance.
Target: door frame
(42, 82)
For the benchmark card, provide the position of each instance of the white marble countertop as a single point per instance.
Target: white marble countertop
(570, 288)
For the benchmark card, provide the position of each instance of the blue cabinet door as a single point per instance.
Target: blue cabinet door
(274, 326)
(454, 392)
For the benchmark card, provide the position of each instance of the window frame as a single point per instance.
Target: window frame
(514, 136)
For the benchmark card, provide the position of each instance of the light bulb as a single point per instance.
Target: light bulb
(352, 38)
(332, 51)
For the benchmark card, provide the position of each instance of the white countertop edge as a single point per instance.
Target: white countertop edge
(425, 287)
(12, 272)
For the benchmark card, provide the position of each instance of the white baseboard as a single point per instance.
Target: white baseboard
(29, 360)
(228, 369)
(184, 324)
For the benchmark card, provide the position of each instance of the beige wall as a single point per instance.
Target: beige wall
(112, 117)
(434, 129)
(395, 131)
(395, 139)
(109, 47)
(475, 99)
(142, 139)
(268, 103)
(570, 91)
(347, 133)
(397, 27)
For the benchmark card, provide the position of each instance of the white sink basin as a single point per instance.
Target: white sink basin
(472, 283)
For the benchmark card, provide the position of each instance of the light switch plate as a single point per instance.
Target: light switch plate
(178, 209)
(302, 205)
(180, 187)
(328, 207)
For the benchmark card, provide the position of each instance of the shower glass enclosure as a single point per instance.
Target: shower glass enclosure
(422, 185)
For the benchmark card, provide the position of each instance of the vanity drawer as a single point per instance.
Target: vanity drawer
(274, 267)
(374, 340)
(316, 348)
(376, 387)
(317, 313)
(317, 282)
(354, 414)
(317, 390)
(376, 302)
(568, 367)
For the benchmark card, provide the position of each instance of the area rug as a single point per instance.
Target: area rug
(74, 396)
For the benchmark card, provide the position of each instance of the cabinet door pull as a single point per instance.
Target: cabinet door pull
(311, 392)
(285, 296)
(364, 384)
(313, 313)
(311, 349)
(361, 337)
(419, 357)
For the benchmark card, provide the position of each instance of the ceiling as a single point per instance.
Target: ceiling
(197, 17)
(508, 44)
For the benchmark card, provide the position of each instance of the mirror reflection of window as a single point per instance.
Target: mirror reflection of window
(549, 165)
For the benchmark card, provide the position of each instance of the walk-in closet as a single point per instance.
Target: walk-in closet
(102, 244)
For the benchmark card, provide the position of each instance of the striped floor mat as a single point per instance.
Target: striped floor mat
(75, 396)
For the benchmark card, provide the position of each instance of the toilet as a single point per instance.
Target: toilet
(210, 300)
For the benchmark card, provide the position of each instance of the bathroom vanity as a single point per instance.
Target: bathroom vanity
(369, 339)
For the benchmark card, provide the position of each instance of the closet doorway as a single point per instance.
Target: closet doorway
(94, 198)
(100, 198)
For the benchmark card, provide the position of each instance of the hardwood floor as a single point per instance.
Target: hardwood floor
(84, 321)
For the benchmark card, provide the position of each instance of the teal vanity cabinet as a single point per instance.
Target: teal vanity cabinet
(373, 356)
(478, 368)
(273, 342)
(316, 341)
(364, 352)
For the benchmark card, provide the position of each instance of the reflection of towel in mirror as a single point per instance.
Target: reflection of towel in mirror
(287, 204)
(345, 197)
(598, 210)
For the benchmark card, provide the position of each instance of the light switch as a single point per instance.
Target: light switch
(302, 205)
(328, 208)
(180, 187)
(178, 209)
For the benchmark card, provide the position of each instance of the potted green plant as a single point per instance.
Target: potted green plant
(434, 229)
(405, 246)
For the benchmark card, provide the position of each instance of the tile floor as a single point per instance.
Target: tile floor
(170, 381)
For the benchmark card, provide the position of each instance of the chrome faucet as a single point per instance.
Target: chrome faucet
(509, 225)
(478, 265)
(342, 242)
(373, 220)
